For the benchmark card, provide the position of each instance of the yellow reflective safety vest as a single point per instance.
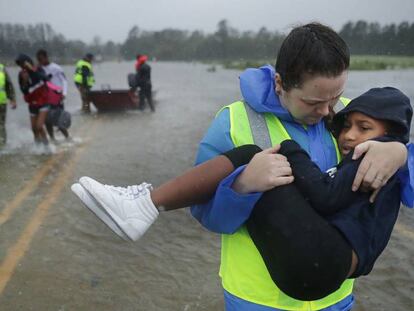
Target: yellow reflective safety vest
(242, 269)
(3, 95)
(90, 80)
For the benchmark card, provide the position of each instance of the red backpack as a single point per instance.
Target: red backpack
(44, 93)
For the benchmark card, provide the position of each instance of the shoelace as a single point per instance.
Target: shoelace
(132, 192)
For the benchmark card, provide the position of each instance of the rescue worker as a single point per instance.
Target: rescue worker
(6, 94)
(56, 76)
(311, 71)
(84, 80)
(143, 81)
(318, 203)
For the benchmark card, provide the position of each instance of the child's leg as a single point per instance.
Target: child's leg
(49, 128)
(198, 184)
(40, 122)
(33, 119)
(135, 208)
(306, 257)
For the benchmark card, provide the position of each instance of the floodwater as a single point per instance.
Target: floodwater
(55, 255)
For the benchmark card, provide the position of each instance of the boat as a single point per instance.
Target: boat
(114, 100)
(106, 99)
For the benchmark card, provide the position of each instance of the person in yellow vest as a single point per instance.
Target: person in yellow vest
(84, 80)
(310, 221)
(310, 76)
(311, 72)
(6, 95)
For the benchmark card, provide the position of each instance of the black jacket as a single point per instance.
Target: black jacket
(366, 226)
(143, 77)
(35, 77)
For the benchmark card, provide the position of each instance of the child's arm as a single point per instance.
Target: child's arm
(327, 194)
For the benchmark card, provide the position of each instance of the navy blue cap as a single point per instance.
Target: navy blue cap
(387, 103)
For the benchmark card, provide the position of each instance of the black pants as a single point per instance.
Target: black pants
(306, 257)
(3, 135)
(145, 95)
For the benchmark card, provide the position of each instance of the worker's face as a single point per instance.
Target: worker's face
(314, 99)
(357, 129)
(43, 61)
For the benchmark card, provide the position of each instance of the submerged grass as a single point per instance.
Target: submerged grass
(358, 62)
(381, 62)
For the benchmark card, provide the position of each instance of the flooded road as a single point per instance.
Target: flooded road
(55, 255)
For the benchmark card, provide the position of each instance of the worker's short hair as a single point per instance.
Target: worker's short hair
(41, 52)
(89, 56)
(311, 50)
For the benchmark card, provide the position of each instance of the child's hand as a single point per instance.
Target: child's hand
(266, 170)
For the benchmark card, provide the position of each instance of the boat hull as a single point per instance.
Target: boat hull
(114, 100)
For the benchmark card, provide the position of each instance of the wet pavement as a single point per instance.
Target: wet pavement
(55, 255)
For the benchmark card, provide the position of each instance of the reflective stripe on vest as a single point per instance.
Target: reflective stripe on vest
(342, 103)
(3, 95)
(242, 269)
(90, 81)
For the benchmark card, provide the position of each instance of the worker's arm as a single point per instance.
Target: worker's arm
(85, 75)
(11, 95)
(23, 79)
(227, 210)
(60, 75)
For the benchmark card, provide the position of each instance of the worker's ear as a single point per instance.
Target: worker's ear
(278, 84)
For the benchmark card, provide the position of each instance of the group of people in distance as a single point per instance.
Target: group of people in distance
(305, 200)
(44, 88)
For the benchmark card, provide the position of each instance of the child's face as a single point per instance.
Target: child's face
(357, 129)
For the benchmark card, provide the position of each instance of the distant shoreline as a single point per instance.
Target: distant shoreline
(358, 62)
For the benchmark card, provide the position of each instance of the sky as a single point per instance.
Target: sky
(111, 20)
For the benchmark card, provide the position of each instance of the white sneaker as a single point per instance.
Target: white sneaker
(130, 208)
(94, 207)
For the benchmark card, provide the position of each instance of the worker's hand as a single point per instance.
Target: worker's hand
(381, 161)
(13, 104)
(266, 170)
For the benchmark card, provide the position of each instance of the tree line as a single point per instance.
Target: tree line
(18, 38)
(226, 43)
(373, 39)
